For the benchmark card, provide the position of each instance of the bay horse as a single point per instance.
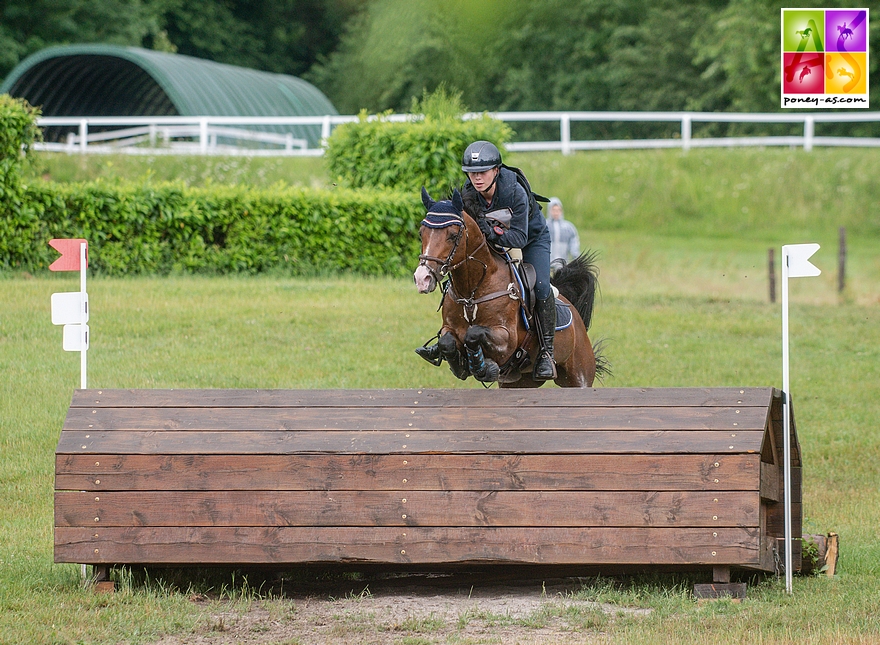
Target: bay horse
(484, 333)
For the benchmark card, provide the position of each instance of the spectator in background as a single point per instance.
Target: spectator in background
(564, 240)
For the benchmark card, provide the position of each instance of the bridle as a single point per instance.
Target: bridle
(443, 220)
(445, 267)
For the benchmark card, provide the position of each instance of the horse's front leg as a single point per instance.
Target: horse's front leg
(477, 340)
(452, 353)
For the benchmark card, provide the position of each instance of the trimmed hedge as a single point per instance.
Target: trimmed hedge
(164, 228)
(407, 156)
(18, 130)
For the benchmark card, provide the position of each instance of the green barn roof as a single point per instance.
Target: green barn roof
(110, 80)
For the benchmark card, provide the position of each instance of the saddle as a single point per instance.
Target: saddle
(526, 277)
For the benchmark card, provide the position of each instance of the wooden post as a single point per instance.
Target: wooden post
(771, 268)
(841, 261)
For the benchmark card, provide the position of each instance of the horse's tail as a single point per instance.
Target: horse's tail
(578, 281)
(603, 364)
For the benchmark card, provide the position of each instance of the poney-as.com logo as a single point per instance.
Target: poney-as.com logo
(824, 58)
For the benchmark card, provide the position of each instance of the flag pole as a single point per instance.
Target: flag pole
(84, 333)
(786, 412)
(795, 264)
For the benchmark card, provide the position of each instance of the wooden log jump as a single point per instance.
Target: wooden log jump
(688, 478)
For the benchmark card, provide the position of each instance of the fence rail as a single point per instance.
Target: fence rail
(252, 135)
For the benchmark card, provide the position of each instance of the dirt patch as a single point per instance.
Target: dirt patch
(415, 612)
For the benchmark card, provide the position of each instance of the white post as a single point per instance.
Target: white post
(83, 135)
(795, 264)
(786, 412)
(84, 330)
(325, 130)
(686, 132)
(84, 336)
(565, 133)
(809, 129)
(203, 136)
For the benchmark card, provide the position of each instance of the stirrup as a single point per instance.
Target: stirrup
(544, 356)
(430, 354)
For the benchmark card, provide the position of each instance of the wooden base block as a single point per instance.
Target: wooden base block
(105, 586)
(736, 590)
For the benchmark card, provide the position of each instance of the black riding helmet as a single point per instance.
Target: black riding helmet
(480, 156)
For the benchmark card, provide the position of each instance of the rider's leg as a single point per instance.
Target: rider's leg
(545, 314)
(537, 253)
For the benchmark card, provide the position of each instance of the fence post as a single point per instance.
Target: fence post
(771, 272)
(203, 136)
(686, 132)
(565, 133)
(325, 130)
(83, 135)
(809, 128)
(841, 261)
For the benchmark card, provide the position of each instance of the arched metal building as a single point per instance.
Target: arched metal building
(110, 80)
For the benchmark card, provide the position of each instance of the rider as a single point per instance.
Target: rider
(497, 187)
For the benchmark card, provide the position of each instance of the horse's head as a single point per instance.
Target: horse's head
(441, 234)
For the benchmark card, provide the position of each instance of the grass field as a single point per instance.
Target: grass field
(677, 310)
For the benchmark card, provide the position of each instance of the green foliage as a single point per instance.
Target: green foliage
(405, 156)
(18, 130)
(27, 26)
(162, 228)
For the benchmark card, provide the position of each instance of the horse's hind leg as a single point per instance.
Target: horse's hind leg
(579, 370)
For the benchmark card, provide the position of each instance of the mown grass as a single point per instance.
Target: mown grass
(359, 333)
(679, 307)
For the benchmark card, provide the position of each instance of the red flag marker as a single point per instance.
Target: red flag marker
(69, 250)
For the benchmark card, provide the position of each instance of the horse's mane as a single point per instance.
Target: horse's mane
(472, 205)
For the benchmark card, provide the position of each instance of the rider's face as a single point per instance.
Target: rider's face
(482, 181)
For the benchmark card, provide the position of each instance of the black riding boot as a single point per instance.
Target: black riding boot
(545, 315)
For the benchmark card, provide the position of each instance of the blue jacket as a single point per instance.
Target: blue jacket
(525, 226)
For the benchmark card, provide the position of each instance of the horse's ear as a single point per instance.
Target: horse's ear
(456, 200)
(426, 199)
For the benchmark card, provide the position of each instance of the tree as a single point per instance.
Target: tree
(27, 26)
(282, 36)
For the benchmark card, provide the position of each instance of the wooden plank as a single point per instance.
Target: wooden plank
(488, 442)
(244, 545)
(407, 508)
(433, 419)
(771, 482)
(631, 397)
(411, 472)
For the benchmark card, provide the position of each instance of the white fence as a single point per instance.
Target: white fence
(249, 135)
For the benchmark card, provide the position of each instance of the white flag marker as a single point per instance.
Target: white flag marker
(799, 265)
(795, 264)
(72, 309)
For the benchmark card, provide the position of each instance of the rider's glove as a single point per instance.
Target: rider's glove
(486, 227)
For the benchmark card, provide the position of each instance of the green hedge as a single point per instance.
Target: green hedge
(18, 130)
(406, 156)
(162, 228)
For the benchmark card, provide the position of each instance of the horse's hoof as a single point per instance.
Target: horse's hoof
(431, 354)
(490, 374)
